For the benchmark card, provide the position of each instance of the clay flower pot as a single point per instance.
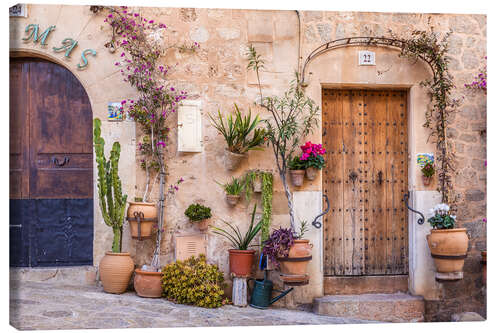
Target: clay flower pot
(232, 160)
(311, 173)
(448, 248)
(240, 262)
(146, 210)
(203, 224)
(115, 271)
(427, 180)
(232, 200)
(148, 284)
(297, 177)
(298, 257)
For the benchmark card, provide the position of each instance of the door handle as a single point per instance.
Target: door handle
(353, 176)
(60, 164)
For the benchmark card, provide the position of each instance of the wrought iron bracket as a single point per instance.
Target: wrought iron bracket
(421, 219)
(316, 223)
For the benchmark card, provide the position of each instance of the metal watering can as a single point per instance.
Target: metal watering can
(263, 289)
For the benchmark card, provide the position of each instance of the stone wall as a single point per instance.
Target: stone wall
(217, 76)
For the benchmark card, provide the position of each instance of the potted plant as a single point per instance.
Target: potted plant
(289, 251)
(115, 269)
(254, 178)
(200, 215)
(312, 154)
(233, 190)
(448, 245)
(240, 257)
(297, 169)
(141, 217)
(236, 132)
(428, 171)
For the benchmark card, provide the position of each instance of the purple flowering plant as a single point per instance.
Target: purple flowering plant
(278, 244)
(480, 81)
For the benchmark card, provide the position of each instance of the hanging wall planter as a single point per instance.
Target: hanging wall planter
(299, 256)
(297, 177)
(148, 284)
(232, 200)
(448, 249)
(426, 180)
(232, 160)
(311, 173)
(141, 216)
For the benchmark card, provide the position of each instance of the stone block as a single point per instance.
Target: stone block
(467, 316)
(260, 29)
(399, 308)
(474, 195)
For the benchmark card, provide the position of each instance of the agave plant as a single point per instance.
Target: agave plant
(234, 235)
(236, 131)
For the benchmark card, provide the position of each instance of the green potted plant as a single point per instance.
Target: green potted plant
(116, 268)
(236, 132)
(289, 251)
(312, 155)
(297, 169)
(233, 190)
(428, 171)
(448, 245)
(240, 257)
(200, 215)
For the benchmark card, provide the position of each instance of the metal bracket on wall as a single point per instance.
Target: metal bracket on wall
(317, 224)
(421, 219)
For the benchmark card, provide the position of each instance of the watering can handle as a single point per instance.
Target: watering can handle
(284, 293)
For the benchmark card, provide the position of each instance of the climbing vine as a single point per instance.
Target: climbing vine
(427, 46)
(267, 204)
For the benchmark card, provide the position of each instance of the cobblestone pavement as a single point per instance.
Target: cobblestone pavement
(35, 305)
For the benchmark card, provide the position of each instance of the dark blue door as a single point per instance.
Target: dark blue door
(51, 191)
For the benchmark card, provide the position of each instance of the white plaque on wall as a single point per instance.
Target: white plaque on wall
(366, 58)
(189, 127)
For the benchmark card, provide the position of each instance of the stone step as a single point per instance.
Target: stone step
(76, 275)
(396, 308)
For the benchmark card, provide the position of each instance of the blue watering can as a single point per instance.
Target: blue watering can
(263, 289)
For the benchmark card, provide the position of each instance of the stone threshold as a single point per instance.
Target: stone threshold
(74, 275)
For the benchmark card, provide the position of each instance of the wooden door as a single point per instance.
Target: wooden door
(51, 187)
(365, 178)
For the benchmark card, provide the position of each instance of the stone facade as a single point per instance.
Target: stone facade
(217, 76)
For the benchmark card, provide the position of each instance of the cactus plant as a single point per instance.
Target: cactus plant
(111, 200)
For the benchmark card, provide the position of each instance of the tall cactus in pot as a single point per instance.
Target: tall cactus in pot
(111, 200)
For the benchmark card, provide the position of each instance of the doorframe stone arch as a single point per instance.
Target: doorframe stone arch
(338, 68)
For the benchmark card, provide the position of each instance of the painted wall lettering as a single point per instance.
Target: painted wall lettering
(67, 44)
(34, 33)
(84, 59)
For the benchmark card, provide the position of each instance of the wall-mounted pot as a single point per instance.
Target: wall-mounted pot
(448, 249)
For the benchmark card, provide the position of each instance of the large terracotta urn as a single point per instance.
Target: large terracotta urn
(298, 257)
(115, 271)
(146, 212)
(240, 262)
(448, 249)
(148, 284)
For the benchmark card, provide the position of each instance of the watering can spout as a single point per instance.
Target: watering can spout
(283, 294)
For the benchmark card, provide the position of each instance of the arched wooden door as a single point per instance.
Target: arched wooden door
(51, 191)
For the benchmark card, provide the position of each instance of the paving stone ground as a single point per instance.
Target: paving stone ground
(43, 305)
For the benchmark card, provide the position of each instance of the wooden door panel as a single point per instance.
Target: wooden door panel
(369, 237)
(18, 134)
(61, 140)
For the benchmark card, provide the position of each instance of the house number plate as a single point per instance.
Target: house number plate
(366, 58)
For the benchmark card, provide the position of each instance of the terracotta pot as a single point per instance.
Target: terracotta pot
(232, 200)
(311, 173)
(448, 248)
(427, 180)
(148, 284)
(232, 160)
(115, 271)
(240, 262)
(203, 224)
(149, 211)
(297, 177)
(298, 257)
(483, 268)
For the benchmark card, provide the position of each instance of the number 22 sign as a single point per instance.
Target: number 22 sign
(366, 58)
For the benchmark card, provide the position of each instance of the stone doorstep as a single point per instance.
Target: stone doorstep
(397, 308)
(77, 275)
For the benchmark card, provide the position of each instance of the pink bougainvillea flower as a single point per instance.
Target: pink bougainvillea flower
(161, 143)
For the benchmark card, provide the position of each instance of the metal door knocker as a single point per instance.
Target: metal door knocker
(353, 176)
(63, 163)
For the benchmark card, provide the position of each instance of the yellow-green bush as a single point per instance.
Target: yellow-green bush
(193, 282)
